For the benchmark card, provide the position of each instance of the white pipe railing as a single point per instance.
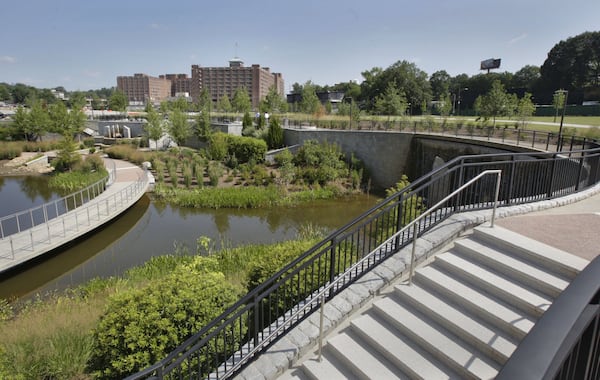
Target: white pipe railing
(71, 220)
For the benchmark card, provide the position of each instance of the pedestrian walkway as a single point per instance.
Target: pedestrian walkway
(129, 185)
(573, 228)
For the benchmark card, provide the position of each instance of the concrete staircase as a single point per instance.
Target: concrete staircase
(462, 318)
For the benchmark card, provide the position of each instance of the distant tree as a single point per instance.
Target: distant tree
(350, 89)
(247, 120)
(241, 100)
(154, 126)
(77, 100)
(21, 124)
(4, 92)
(204, 100)
(273, 102)
(96, 102)
(59, 118)
(66, 156)
(526, 77)
(495, 103)
(38, 120)
(179, 103)
(21, 92)
(118, 101)
(525, 109)
(558, 101)
(274, 134)
(391, 102)
(310, 102)
(179, 128)
(407, 78)
(440, 84)
(573, 63)
(223, 104)
(203, 127)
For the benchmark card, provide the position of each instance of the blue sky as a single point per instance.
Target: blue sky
(86, 44)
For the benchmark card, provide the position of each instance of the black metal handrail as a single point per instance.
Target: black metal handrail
(246, 328)
(565, 342)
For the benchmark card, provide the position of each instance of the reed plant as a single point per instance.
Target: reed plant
(10, 150)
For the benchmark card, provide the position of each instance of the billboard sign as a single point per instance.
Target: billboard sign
(492, 63)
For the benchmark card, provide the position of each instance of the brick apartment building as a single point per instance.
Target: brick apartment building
(142, 88)
(221, 81)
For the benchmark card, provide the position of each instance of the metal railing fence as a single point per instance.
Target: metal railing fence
(88, 208)
(35, 216)
(290, 295)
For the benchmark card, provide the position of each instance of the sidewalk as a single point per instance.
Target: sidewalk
(574, 228)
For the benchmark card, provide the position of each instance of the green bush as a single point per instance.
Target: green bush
(143, 326)
(217, 146)
(275, 134)
(246, 149)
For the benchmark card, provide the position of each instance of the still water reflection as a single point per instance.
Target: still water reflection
(151, 228)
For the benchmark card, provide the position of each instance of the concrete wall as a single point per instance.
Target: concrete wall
(387, 155)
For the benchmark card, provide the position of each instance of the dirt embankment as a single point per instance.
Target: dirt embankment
(24, 165)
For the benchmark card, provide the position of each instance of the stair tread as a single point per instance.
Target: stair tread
(433, 306)
(551, 280)
(515, 292)
(360, 358)
(325, 369)
(534, 247)
(443, 346)
(401, 350)
(483, 302)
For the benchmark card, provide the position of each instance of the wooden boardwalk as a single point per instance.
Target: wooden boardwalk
(130, 184)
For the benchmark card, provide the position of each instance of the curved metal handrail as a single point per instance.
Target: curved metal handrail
(528, 177)
(82, 196)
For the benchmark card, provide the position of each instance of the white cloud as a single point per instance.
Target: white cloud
(91, 73)
(517, 39)
(156, 26)
(7, 59)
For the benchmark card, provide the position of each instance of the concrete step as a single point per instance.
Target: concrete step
(328, 368)
(542, 254)
(526, 299)
(363, 362)
(492, 310)
(497, 345)
(525, 272)
(443, 345)
(401, 351)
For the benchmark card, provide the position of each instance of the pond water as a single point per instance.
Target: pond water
(152, 228)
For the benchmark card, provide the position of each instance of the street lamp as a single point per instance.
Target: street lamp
(562, 118)
(458, 100)
(350, 101)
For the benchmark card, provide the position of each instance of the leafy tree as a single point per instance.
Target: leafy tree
(407, 78)
(154, 126)
(526, 77)
(223, 104)
(38, 120)
(21, 92)
(204, 100)
(21, 124)
(203, 127)
(391, 102)
(495, 103)
(118, 101)
(573, 63)
(275, 134)
(247, 120)
(525, 109)
(310, 102)
(67, 157)
(558, 101)
(77, 100)
(440, 84)
(273, 102)
(241, 100)
(4, 92)
(179, 128)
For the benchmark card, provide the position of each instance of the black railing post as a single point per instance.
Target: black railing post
(511, 179)
(548, 137)
(400, 208)
(332, 265)
(580, 172)
(552, 175)
(518, 136)
(256, 320)
(533, 140)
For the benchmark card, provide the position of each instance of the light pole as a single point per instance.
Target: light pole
(350, 125)
(562, 118)
(458, 100)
